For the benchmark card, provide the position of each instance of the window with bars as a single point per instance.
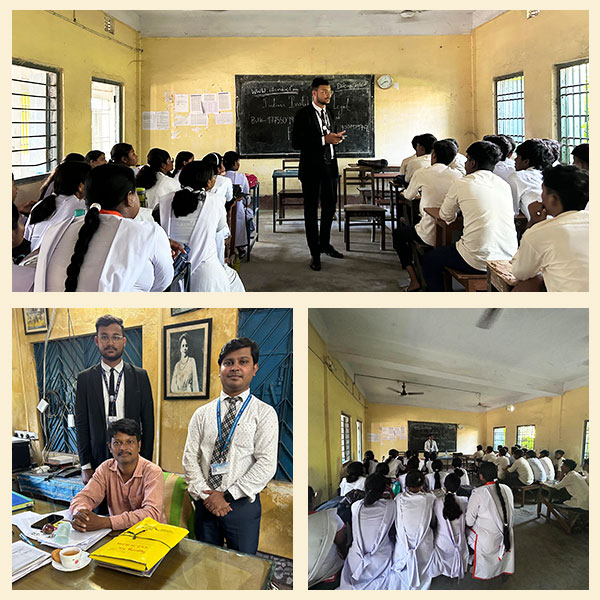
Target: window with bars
(359, 451)
(106, 114)
(510, 106)
(586, 441)
(346, 456)
(526, 436)
(573, 107)
(499, 436)
(35, 118)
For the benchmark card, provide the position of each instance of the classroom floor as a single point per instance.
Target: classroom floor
(279, 261)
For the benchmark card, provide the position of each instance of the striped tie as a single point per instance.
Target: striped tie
(218, 455)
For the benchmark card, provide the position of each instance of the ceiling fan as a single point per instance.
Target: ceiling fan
(403, 392)
(479, 405)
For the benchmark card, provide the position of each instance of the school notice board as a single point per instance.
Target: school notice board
(443, 433)
(266, 105)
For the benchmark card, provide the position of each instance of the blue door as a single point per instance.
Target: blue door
(64, 360)
(271, 328)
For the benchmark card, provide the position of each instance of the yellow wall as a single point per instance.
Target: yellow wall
(330, 392)
(391, 415)
(511, 43)
(172, 416)
(558, 421)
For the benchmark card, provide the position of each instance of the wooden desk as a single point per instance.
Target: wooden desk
(499, 276)
(190, 565)
(443, 230)
(401, 207)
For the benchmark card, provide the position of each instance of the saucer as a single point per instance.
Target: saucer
(85, 561)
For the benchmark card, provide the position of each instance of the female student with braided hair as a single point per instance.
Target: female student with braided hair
(105, 251)
(433, 481)
(490, 519)
(61, 204)
(369, 559)
(450, 551)
(193, 216)
(154, 178)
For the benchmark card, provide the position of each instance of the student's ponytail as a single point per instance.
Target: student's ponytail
(146, 178)
(505, 527)
(194, 179)
(459, 472)
(185, 201)
(451, 508)
(43, 209)
(437, 466)
(86, 233)
(374, 488)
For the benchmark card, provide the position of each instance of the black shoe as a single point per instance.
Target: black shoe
(315, 263)
(331, 251)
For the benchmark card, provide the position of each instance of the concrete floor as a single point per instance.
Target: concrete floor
(279, 261)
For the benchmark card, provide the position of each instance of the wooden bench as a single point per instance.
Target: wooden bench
(470, 281)
(521, 491)
(569, 519)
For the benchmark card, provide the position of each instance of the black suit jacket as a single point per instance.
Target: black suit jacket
(307, 137)
(90, 416)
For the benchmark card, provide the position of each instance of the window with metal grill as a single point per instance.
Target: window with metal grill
(346, 456)
(510, 106)
(499, 436)
(526, 436)
(573, 107)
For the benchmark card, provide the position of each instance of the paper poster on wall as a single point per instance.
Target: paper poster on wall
(401, 433)
(181, 120)
(224, 118)
(196, 103)
(182, 104)
(210, 104)
(155, 120)
(224, 99)
(198, 119)
(388, 433)
(373, 437)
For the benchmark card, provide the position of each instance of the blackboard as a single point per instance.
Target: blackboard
(443, 433)
(266, 105)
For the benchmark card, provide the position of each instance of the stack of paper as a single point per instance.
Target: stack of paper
(26, 558)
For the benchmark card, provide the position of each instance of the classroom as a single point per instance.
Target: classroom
(174, 83)
(148, 467)
(382, 381)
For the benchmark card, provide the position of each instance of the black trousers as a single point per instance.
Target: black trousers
(320, 187)
(239, 528)
(434, 262)
(402, 239)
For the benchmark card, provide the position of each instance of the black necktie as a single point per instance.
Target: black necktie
(112, 401)
(218, 454)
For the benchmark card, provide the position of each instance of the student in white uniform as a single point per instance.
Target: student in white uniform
(581, 156)
(95, 158)
(231, 163)
(490, 518)
(422, 159)
(502, 463)
(450, 551)
(519, 473)
(413, 551)
(394, 461)
(539, 473)
(577, 489)
(411, 465)
(61, 204)
(460, 160)
(430, 445)
(533, 156)
(547, 464)
(183, 158)
(105, 251)
(124, 154)
(460, 472)
(434, 480)
(369, 559)
(489, 454)
(22, 276)
(557, 461)
(505, 166)
(154, 177)
(557, 247)
(489, 229)
(354, 480)
(554, 148)
(478, 454)
(405, 161)
(192, 216)
(369, 463)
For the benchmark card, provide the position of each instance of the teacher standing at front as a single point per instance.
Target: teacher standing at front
(313, 134)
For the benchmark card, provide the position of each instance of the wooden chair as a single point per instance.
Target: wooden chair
(374, 214)
(289, 197)
(521, 492)
(363, 179)
(471, 282)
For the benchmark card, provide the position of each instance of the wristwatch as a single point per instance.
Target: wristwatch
(228, 497)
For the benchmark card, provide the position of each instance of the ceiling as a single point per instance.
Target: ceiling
(300, 23)
(527, 353)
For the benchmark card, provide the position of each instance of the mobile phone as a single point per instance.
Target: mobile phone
(49, 519)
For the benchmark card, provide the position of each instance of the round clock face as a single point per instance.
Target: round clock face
(384, 82)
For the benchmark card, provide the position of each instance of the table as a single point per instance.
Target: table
(443, 230)
(499, 276)
(191, 565)
(43, 484)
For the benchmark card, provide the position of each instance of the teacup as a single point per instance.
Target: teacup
(70, 557)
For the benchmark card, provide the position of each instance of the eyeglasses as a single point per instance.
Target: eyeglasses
(112, 338)
(126, 443)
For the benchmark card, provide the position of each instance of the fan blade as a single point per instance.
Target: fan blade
(487, 319)
(394, 390)
(414, 393)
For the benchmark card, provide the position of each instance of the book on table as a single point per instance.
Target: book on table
(20, 502)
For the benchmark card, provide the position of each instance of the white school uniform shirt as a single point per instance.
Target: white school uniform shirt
(324, 560)
(526, 187)
(123, 256)
(244, 211)
(450, 550)
(558, 249)
(22, 278)
(548, 467)
(478, 454)
(430, 480)
(504, 168)
(458, 164)
(413, 551)
(252, 454)
(523, 469)
(413, 165)
(431, 446)
(393, 466)
(404, 162)
(539, 474)
(164, 184)
(65, 209)
(346, 487)
(579, 490)
(502, 463)
(369, 559)
(489, 228)
(464, 478)
(198, 230)
(485, 520)
(489, 457)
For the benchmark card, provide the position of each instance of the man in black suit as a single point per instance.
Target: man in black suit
(313, 135)
(107, 392)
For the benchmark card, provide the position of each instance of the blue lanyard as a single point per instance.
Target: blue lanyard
(117, 386)
(233, 426)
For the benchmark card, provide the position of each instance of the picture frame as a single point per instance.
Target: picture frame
(35, 320)
(181, 311)
(187, 363)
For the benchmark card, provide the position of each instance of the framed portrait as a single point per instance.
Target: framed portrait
(187, 360)
(180, 311)
(35, 320)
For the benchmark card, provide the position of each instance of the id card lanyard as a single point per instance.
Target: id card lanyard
(117, 386)
(233, 426)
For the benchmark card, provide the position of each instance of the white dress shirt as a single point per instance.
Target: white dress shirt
(526, 187)
(434, 183)
(539, 473)
(489, 227)
(504, 168)
(578, 489)
(413, 165)
(346, 487)
(431, 446)
(548, 467)
(523, 469)
(458, 164)
(164, 184)
(502, 463)
(404, 162)
(252, 455)
(558, 249)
